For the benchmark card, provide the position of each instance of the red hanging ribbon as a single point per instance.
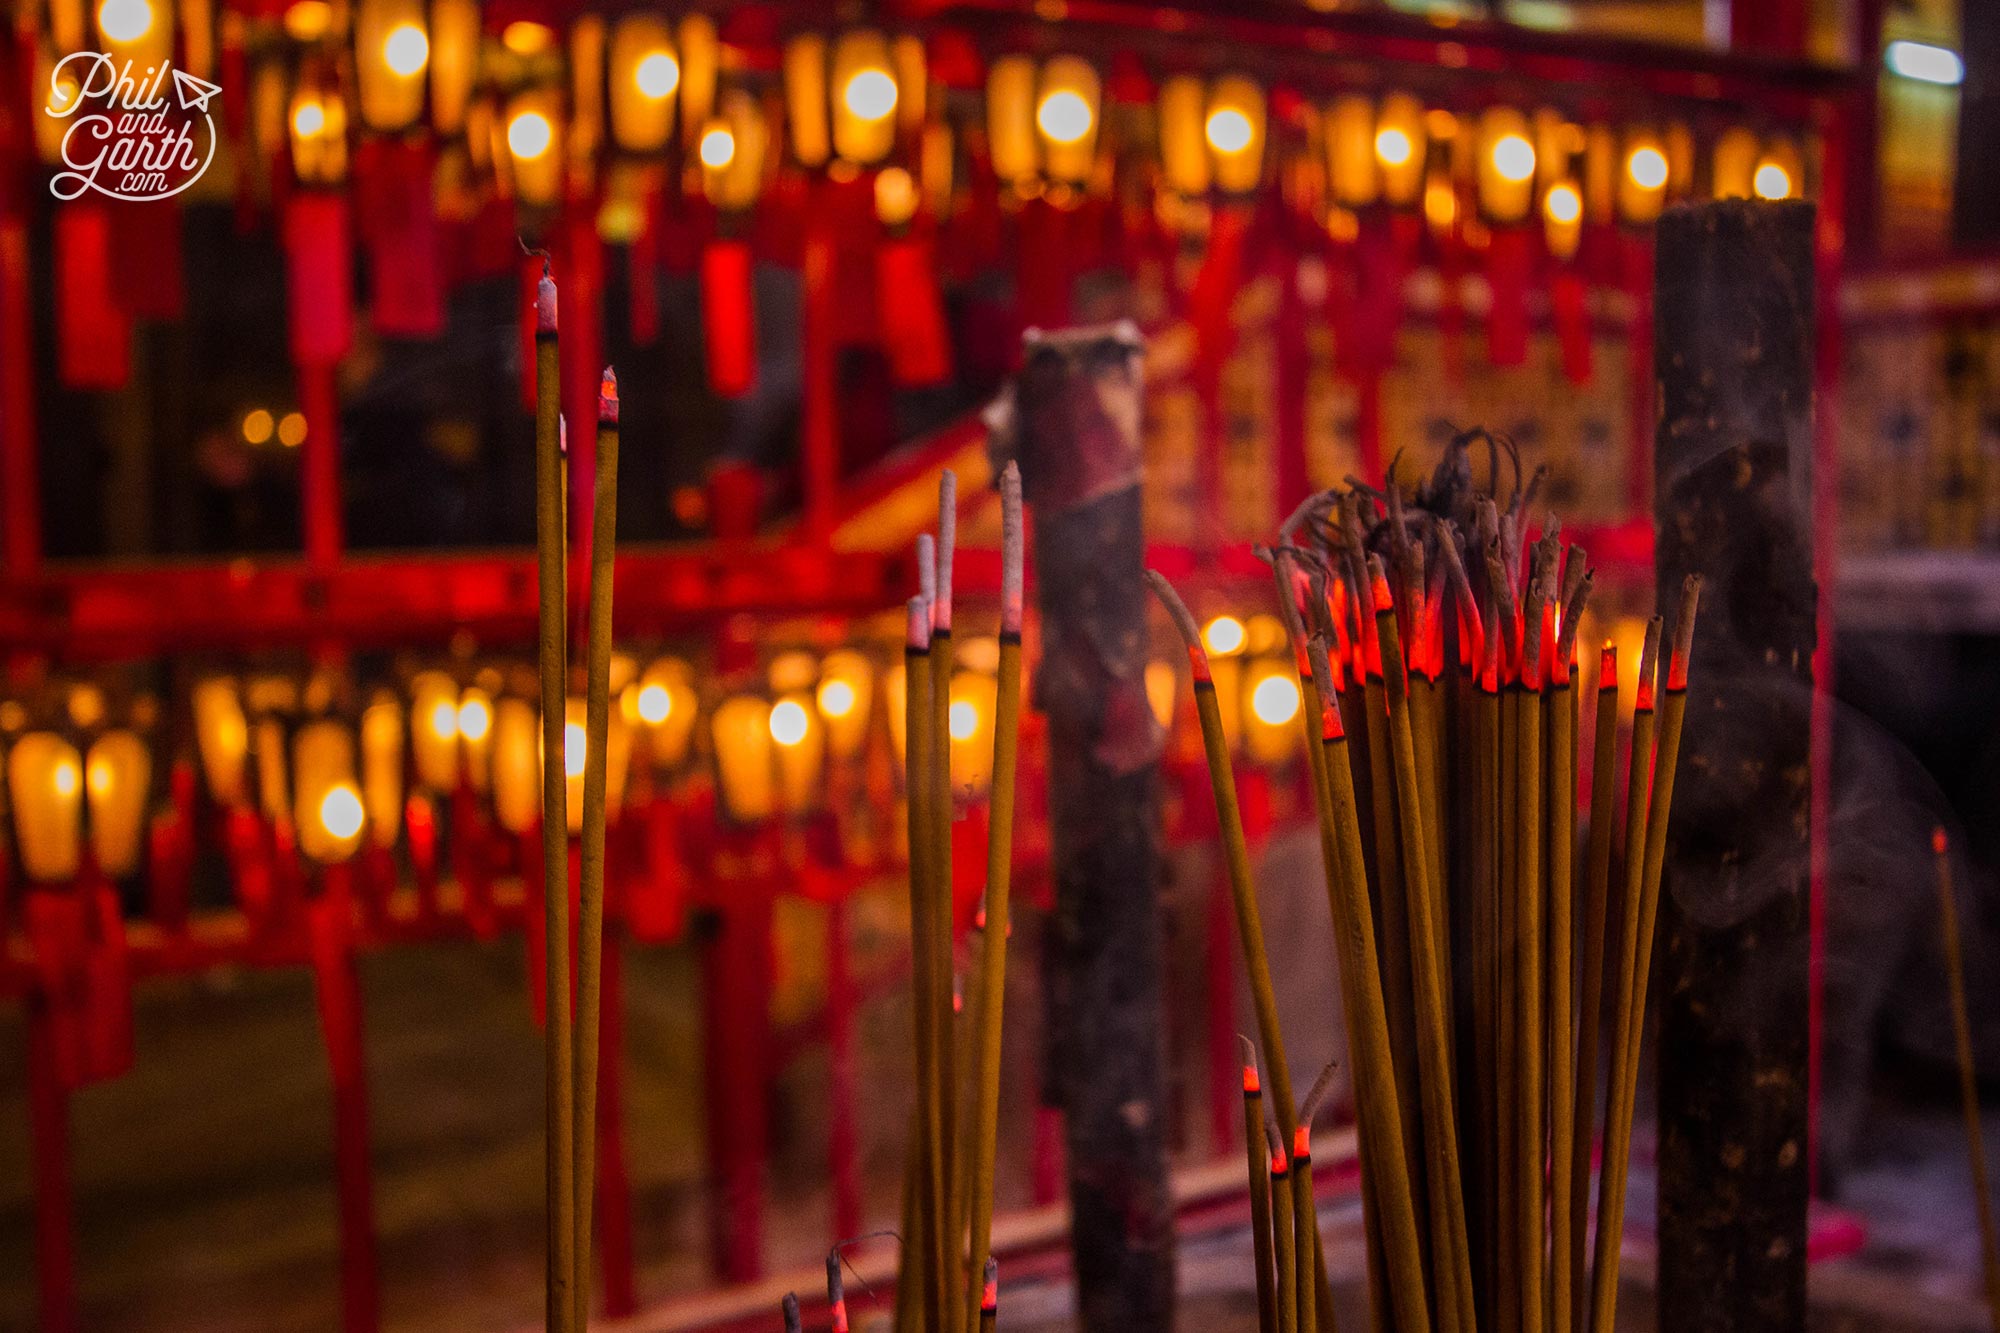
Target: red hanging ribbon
(1510, 260)
(319, 285)
(107, 985)
(1569, 307)
(93, 330)
(728, 317)
(393, 192)
(914, 335)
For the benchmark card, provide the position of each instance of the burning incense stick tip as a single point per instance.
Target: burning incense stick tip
(920, 625)
(1012, 561)
(1938, 843)
(927, 567)
(947, 542)
(607, 397)
(1302, 1145)
(1330, 728)
(1607, 666)
(989, 1295)
(1183, 621)
(545, 303)
(1677, 661)
(790, 1307)
(1253, 1086)
(1649, 662)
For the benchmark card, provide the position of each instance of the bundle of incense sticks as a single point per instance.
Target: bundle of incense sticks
(1486, 1000)
(571, 1045)
(948, 1189)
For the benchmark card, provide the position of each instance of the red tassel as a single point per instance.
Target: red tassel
(108, 988)
(1509, 263)
(146, 258)
(318, 284)
(1569, 305)
(399, 227)
(728, 318)
(93, 331)
(420, 832)
(914, 336)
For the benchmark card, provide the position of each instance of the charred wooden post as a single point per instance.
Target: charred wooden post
(1734, 339)
(1076, 438)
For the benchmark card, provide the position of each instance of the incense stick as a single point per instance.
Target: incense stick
(550, 556)
(989, 1296)
(1595, 889)
(999, 866)
(1968, 1083)
(1560, 718)
(1283, 1248)
(918, 756)
(1260, 1190)
(951, 1276)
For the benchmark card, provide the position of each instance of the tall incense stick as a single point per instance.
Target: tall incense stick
(1968, 1082)
(999, 865)
(1260, 1191)
(560, 1263)
(952, 1276)
(1594, 888)
(918, 755)
(590, 917)
(1283, 1249)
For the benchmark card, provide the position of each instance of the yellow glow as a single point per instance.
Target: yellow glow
(1773, 182)
(1228, 130)
(1564, 204)
(1647, 167)
(870, 94)
(657, 75)
(964, 720)
(1275, 701)
(836, 698)
(1064, 116)
(340, 812)
(529, 135)
(64, 778)
(292, 430)
(98, 776)
(1513, 157)
(576, 744)
(1392, 146)
(718, 147)
(1440, 203)
(524, 38)
(895, 196)
(406, 50)
(474, 719)
(125, 20)
(308, 120)
(308, 20)
(257, 426)
(1223, 636)
(444, 719)
(655, 704)
(788, 722)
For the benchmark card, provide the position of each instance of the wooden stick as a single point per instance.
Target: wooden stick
(1968, 1083)
(1260, 1190)
(919, 754)
(1595, 889)
(1249, 928)
(1451, 1260)
(1384, 1152)
(999, 867)
(952, 1276)
(590, 918)
(1305, 1225)
(911, 1282)
(1530, 1159)
(1560, 721)
(1611, 1177)
(1282, 1246)
(550, 559)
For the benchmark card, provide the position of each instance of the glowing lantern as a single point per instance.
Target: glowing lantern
(382, 768)
(318, 120)
(585, 131)
(517, 765)
(1183, 105)
(1234, 129)
(732, 152)
(475, 737)
(1780, 172)
(864, 89)
(454, 61)
(1011, 133)
(1162, 691)
(1355, 151)
(700, 51)
(1642, 179)
(1224, 637)
(434, 729)
(805, 100)
(970, 720)
(746, 774)
(799, 740)
(392, 53)
(327, 809)
(1562, 219)
(666, 706)
(1043, 122)
(1506, 165)
(642, 76)
(844, 698)
(847, 98)
(222, 738)
(45, 791)
(141, 31)
(534, 155)
(117, 778)
(1733, 163)
(1271, 722)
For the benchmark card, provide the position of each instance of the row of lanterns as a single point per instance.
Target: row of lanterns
(535, 110)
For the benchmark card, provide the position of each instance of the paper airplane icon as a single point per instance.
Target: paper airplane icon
(194, 93)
